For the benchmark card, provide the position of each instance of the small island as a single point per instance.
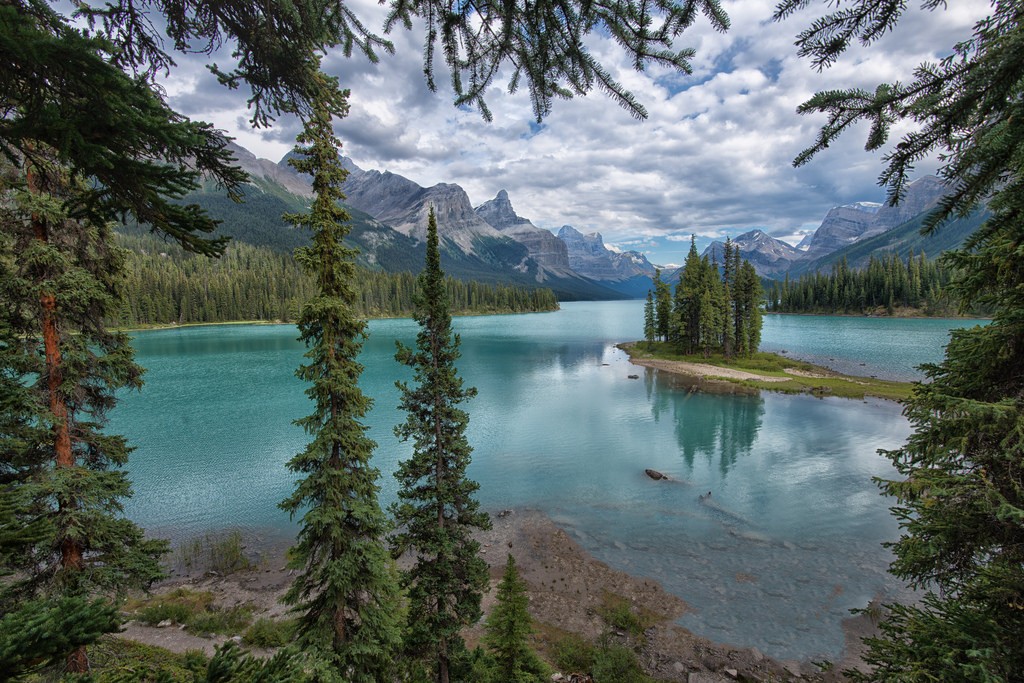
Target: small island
(710, 328)
(763, 370)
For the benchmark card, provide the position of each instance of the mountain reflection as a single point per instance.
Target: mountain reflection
(714, 425)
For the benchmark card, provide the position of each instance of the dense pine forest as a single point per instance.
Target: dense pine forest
(713, 310)
(887, 284)
(168, 285)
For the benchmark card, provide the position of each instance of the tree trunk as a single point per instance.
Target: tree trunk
(70, 550)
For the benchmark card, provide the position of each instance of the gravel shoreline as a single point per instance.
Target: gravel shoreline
(567, 588)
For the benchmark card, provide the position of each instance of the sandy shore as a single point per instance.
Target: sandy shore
(702, 370)
(567, 588)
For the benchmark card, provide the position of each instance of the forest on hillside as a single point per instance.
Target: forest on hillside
(165, 285)
(886, 285)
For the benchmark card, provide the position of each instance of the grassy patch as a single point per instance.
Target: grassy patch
(116, 659)
(227, 553)
(618, 613)
(223, 621)
(604, 660)
(771, 365)
(268, 633)
(843, 387)
(223, 553)
(192, 609)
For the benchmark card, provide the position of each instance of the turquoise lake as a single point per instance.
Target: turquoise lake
(790, 541)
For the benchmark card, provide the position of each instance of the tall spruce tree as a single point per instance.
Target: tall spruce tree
(649, 326)
(728, 291)
(436, 512)
(346, 593)
(508, 629)
(662, 307)
(61, 473)
(960, 501)
(688, 300)
(747, 309)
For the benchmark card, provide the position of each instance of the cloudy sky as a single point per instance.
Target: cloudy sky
(713, 158)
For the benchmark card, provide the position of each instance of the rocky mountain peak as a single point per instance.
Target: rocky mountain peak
(499, 212)
(589, 256)
(768, 255)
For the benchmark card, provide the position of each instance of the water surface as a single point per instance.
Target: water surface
(786, 544)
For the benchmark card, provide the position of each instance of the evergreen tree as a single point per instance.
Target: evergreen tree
(436, 512)
(960, 501)
(37, 632)
(712, 308)
(649, 326)
(740, 300)
(508, 628)
(60, 471)
(688, 300)
(662, 307)
(728, 289)
(346, 593)
(749, 295)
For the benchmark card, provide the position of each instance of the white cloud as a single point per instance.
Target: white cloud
(714, 157)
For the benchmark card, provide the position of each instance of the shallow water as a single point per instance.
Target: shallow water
(786, 544)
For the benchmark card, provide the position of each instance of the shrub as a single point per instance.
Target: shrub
(226, 621)
(268, 633)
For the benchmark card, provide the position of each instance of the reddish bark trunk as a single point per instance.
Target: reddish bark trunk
(70, 550)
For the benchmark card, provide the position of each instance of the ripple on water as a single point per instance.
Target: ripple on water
(554, 429)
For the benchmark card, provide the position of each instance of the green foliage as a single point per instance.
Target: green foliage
(716, 312)
(960, 498)
(166, 285)
(436, 512)
(886, 283)
(165, 610)
(63, 90)
(545, 44)
(226, 554)
(574, 654)
(270, 633)
(820, 382)
(38, 633)
(228, 621)
(604, 661)
(116, 660)
(223, 553)
(346, 594)
(615, 662)
(903, 240)
(119, 660)
(649, 324)
(662, 308)
(61, 472)
(508, 628)
(618, 613)
(192, 609)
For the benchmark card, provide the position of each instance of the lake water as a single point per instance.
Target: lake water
(788, 542)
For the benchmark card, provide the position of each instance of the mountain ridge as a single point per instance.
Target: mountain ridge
(493, 242)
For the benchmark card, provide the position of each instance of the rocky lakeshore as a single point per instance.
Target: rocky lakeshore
(568, 590)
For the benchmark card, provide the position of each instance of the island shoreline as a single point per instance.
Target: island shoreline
(796, 377)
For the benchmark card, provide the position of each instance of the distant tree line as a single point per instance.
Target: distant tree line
(166, 285)
(713, 310)
(887, 283)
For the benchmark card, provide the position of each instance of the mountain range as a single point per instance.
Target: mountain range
(856, 232)
(491, 242)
